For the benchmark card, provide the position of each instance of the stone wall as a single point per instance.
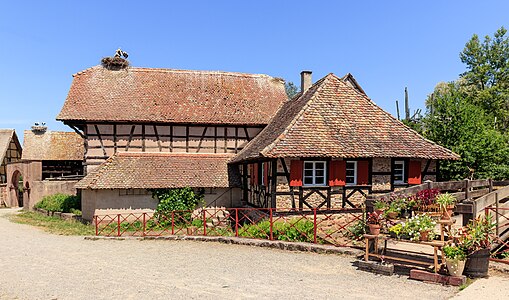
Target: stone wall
(39, 189)
(3, 194)
(105, 202)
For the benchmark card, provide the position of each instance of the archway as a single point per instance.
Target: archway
(17, 189)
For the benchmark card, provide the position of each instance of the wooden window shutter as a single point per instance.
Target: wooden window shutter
(296, 167)
(255, 174)
(414, 172)
(337, 173)
(266, 174)
(362, 172)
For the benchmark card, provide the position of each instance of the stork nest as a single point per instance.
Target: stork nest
(114, 63)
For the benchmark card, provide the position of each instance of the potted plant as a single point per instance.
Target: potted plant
(447, 203)
(476, 238)
(396, 231)
(380, 206)
(455, 258)
(392, 212)
(420, 227)
(425, 200)
(374, 223)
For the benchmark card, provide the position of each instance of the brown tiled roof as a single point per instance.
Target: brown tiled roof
(126, 170)
(334, 119)
(52, 145)
(172, 96)
(6, 135)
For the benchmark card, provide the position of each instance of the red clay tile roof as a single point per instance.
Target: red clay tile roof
(145, 170)
(334, 119)
(52, 145)
(6, 135)
(172, 96)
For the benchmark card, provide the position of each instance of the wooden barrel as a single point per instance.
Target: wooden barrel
(477, 264)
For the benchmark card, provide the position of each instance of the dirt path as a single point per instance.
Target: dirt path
(37, 265)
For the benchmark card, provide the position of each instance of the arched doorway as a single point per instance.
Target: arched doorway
(17, 188)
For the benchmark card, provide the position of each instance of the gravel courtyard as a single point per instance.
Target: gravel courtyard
(37, 265)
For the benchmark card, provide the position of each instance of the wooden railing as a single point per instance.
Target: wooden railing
(473, 195)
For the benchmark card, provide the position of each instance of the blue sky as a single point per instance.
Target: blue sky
(386, 45)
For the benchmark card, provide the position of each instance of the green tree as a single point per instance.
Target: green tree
(453, 121)
(291, 89)
(487, 75)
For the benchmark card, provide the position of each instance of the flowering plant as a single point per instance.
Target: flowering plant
(427, 197)
(418, 224)
(477, 235)
(373, 218)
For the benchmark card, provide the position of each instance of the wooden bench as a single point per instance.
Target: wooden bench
(437, 245)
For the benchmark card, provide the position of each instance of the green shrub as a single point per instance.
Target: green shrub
(60, 203)
(294, 230)
(183, 200)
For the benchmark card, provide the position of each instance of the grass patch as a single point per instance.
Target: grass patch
(53, 225)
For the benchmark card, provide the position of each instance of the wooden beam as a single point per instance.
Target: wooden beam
(158, 139)
(143, 138)
(78, 131)
(273, 183)
(202, 138)
(100, 139)
(247, 134)
(130, 138)
(115, 138)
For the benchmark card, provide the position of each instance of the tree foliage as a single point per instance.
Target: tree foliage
(453, 121)
(291, 89)
(470, 115)
(487, 75)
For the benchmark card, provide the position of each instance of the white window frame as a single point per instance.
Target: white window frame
(314, 173)
(402, 163)
(354, 172)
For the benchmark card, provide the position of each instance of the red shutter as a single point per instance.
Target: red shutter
(265, 174)
(251, 171)
(414, 172)
(337, 173)
(296, 167)
(255, 174)
(362, 172)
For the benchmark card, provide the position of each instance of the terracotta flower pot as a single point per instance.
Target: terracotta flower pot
(424, 236)
(374, 229)
(447, 213)
(454, 266)
(392, 215)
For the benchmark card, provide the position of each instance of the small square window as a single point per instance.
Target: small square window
(314, 173)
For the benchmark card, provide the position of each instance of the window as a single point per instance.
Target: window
(262, 181)
(130, 192)
(399, 172)
(314, 173)
(351, 173)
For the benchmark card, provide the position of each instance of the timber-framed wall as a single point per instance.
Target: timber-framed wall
(102, 140)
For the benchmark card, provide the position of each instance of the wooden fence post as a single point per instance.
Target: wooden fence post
(467, 189)
(496, 214)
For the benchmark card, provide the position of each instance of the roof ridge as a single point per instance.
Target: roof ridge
(317, 87)
(139, 154)
(164, 70)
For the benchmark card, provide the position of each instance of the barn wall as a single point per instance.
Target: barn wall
(106, 139)
(116, 201)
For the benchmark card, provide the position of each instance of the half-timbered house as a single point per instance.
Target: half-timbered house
(159, 128)
(51, 162)
(329, 143)
(10, 151)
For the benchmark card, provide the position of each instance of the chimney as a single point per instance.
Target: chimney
(305, 81)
